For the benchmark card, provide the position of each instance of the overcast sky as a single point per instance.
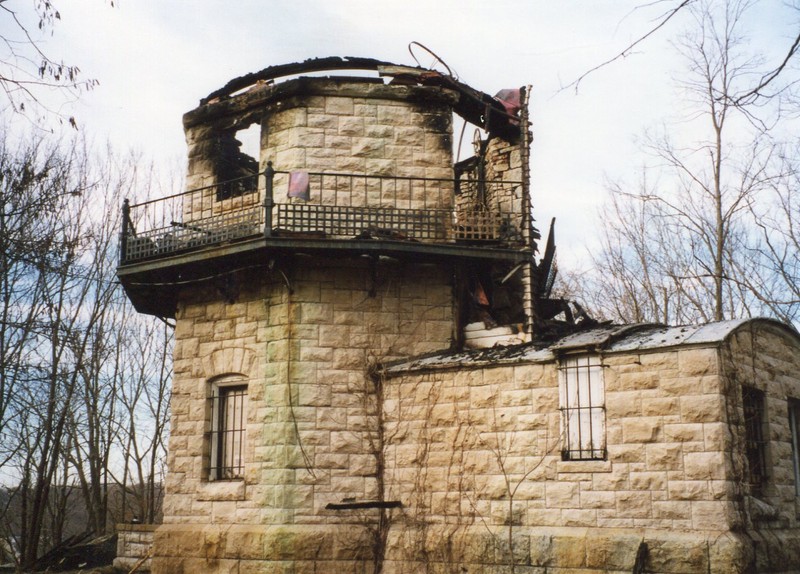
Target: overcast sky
(155, 59)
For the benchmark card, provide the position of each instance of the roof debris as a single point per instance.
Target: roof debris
(605, 338)
(497, 115)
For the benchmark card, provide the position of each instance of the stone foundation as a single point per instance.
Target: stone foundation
(184, 549)
(568, 550)
(134, 542)
(246, 549)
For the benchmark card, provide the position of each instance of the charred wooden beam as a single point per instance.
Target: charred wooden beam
(307, 66)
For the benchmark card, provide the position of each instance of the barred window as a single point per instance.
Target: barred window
(228, 431)
(794, 427)
(582, 401)
(755, 445)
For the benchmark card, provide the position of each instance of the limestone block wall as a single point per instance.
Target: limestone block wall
(474, 456)
(134, 545)
(306, 354)
(767, 359)
(504, 163)
(504, 190)
(361, 128)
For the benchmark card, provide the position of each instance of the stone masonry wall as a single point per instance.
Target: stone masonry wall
(474, 456)
(310, 440)
(504, 163)
(360, 135)
(134, 544)
(768, 360)
(358, 128)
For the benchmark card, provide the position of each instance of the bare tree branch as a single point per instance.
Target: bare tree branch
(27, 71)
(752, 95)
(628, 49)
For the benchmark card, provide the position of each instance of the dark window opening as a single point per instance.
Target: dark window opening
(496, 296)
(228, 432)
(794, 427)
(583, 417)
(235, 154)
(755, 445)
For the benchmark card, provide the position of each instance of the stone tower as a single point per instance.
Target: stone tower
(346, 239)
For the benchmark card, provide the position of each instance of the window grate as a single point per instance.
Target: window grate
(582, 399)
(794, 427)
(755, 445)
(228, 432)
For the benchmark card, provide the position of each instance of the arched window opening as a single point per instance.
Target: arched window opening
(228, 428)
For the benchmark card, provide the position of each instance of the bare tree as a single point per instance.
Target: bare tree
(70, 348)
(128, 356)
(145, 374)
(59, 351)
(25, 238)
(682, 245)
(770, 83)
(26, 69)
(94, 410)
(775, 272)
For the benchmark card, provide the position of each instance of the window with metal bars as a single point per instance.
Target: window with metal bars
(794, 427)
(228, 431)
(755, 445)
(582, 402)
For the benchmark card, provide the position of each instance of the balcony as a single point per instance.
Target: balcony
(268, 215)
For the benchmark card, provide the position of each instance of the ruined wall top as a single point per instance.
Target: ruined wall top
(404, 82)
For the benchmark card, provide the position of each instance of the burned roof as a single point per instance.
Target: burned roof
(272, 73)
(605, 339)
(479, 108)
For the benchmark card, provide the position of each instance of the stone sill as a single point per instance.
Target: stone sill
(221, 490)
(568, 466)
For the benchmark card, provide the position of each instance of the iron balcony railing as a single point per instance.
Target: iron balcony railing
(333, 206)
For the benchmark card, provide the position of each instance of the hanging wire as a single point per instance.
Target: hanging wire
(450, 72)
(461, 140)
(436, 58)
